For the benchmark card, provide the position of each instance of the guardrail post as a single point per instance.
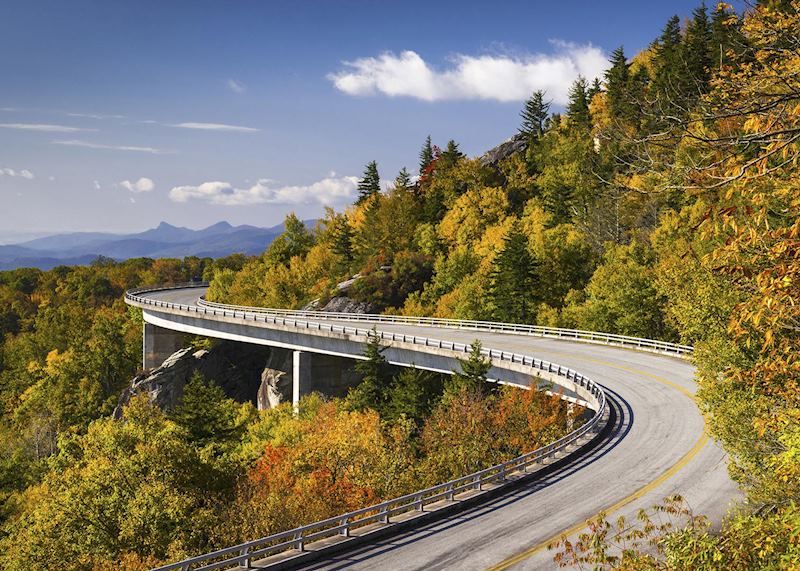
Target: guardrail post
(449, 492)
(384, 514)
(246, 562)
(346, 531)
(299, 544)
(418, 504)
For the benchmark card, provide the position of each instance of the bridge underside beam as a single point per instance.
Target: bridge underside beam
(158, 344)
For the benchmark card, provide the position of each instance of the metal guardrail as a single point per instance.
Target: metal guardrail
(534, 330)
(244, 553)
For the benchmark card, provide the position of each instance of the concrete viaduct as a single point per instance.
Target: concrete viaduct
(646, 440)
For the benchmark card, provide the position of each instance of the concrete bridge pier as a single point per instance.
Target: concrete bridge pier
(158, 344)
(301, 376)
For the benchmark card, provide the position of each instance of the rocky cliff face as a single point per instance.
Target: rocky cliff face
(515, 144)
(245, 372)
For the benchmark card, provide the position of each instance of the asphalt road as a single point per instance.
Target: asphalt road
(655, 447)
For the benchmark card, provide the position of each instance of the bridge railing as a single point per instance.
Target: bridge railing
(533, 330)
(297, 538)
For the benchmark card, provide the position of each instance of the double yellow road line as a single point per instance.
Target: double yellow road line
(667, 474)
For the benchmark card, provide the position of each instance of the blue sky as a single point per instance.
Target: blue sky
(117, 115)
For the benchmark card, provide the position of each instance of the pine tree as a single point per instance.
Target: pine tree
(375, 371)
(370, 183)
(697, 50)
(403, 180)
(595, 88)
(342, 238)
(725, 35)
(451, 155)
(206, 414)
(617, 85)
(534, 115)
(669, 81)
(474, 369)
(513, 278)
(425, 156)
(578, 106)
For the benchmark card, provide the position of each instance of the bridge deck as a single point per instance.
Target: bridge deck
(657, 447)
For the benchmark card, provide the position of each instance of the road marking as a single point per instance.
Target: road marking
(667, 474)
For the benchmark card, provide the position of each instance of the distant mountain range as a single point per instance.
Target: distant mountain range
(164, 241)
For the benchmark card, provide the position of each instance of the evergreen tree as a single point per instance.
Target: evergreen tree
(206, 413)
(617, 85)
(451, 155)
(425, 156)
(578, 105)
(474, 369)
(725, 36)
(670, 80)
(534, 115)
(595, 88)
(373, 390)
(342, 238)
(370, 183)
(403, 180)
(697, 50)
(513, 279)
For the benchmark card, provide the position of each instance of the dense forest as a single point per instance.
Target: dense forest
(662, 202)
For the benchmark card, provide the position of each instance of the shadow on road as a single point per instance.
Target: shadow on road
(618, 427)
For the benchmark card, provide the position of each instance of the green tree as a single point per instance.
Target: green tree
(472, 376)
(403, 180)
(295, 240)
(578, 105)
(425, 156)
(206, 414)
(697, 51)
(370, 183)
(513, 279)
(376, 376)
(617, 85)
(534, 115)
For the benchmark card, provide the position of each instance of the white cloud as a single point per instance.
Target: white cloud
(495, 77)
(214, 127)
(236, 86)
(88, 145)
(329, 190)
(24, 173)
(96, 185)
(42, 127)
(144, 184)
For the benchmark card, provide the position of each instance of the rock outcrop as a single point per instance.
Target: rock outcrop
(515, 144)
(344, 304)
(240, 369)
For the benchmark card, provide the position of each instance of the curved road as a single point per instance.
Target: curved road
(655, 446)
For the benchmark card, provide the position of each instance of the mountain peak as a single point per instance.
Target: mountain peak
(223, 225)
(165, 226)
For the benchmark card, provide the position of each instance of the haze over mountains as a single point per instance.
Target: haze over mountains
(164, 241)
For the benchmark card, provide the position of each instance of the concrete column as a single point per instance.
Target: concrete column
(301, 375)
(158, 344)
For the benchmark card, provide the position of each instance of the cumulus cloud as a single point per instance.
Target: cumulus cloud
(491, 77)
(24, 173)
(144, 184)
(236, 86)
(88, 145)
(214, 127)
(97, 185)
(326, 191)
(42, 127)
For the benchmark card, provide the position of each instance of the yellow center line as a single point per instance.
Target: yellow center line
(698, 446)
